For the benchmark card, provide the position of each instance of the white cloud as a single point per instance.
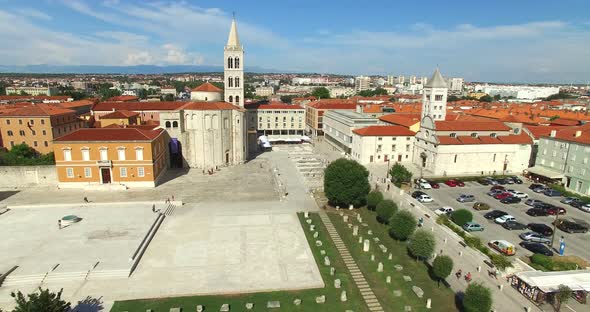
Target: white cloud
(33, 13)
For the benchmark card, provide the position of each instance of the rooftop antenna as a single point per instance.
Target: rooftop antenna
(233, 13)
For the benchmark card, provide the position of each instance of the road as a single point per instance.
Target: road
(576, 244)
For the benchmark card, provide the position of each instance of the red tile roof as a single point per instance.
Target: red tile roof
(207, 87)
(522, 138)
(73, 104)
(210, 106)
(564, 122)
(38, 110)
(406, 120)
(123, 98)
(119, 114)
(538, 131)
(579, 134)
(333, 104)
(384, 131)
(110, 134)
(137, 106)
(271, 105)
(471, 126)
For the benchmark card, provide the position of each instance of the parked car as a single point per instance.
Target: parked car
(481, 206)
(516, 179)
(553, 210)
(497, 187)
(540, 228)
(433, 184)
(502, 181)
(532, 202)
(502, 195)
(543, 205)
(519, 194)
(585, 207)
(454, 182)
(491, 180)
(510, 200)
(571, 226)
(444, 210)
(537, 212)
(472, 227)
(416, 194)
(503, 246)
(576, 203)
(537, 248)
(504, 219)
(495, 192)
(551, 192)
(423, 184)
(514, 225)
(538, 188)
(509, 180)
(424, 199)
(568, 200)
(535, 185)
(465, 198)
(483, 181)
(534, 237)
(494, 214)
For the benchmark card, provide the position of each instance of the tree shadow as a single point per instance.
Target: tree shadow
(89, 304)
(459, 300)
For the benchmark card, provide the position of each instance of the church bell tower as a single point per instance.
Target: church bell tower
(233, 73)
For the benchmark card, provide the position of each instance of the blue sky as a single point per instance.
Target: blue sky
(525, 40)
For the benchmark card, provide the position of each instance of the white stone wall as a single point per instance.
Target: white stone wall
(27, 176)
(363, 147)
(206, 96)
(436, 108)
(288, 119)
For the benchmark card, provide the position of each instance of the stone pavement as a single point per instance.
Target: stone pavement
(358, 277)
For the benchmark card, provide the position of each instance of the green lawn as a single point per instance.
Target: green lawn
(443, 299)
(237, 302)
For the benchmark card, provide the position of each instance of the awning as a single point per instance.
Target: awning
(550, 281)
(548, 173)
(266, 144)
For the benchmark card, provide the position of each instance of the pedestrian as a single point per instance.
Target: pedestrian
(172, 197)
(167, 200)
(59, 224)
(388, 186)
(86, 199)
(154, 208)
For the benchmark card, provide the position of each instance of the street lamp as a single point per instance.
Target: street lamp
(387, 173)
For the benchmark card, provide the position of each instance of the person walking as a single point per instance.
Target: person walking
(59, 224)
(86, 199)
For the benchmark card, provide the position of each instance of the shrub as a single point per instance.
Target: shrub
(442, 266)
(42, 300)
(373, 199)
(473, 241)
(461, 216)
(500, 261)
(399, 174)
(346, 182)
(542, 260)
(477, 298)
(386, 209)
(422, 244)
(402, 225)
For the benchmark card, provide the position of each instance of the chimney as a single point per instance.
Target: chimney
(553, 133)
(578, 133)
(359, 108)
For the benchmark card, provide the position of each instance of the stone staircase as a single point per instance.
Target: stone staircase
(19, 280)
(65, 276)
(108, 274)
(170, 209)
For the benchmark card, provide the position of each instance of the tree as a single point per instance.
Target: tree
(23, 93)
(562, 295)
(168, 97)
(43, 301)
(287, 98)
(402, 224)
(452, 98)
(105, 92)
(497, 97)
(477, 298)
(373, 199)
(461, 216)
(486, 98)
(346, 182)
(2, 88)
(422, 244)
(385, 209)
(442, 266)
(400, 174)
(321, 93)
(23, 151)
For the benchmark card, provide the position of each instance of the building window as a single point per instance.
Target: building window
(87, 172)
(455, 161)
(7, 121)
(35, 143)
(11, 143)
(21, 132)
(20, 121)
(393, 147)
(70, 172)
(67, 155)
(167, 124)
(407, 148)
(493, 135)
(453, 135)
(139, 153)
(230, 82)
(33, 132)
(438, 97)
(494, 158)
(175, 124)
(379, 139)
(237, 80)
(140, 172)
(231, 98)
(230, 62)
(46, 144)
(237, 62)
(44, 132)
(104, 154)
(123, 172)
(237, 99)
(474, 135)
(121, 153)
(10, 133)
(31, 122)
(85, 154)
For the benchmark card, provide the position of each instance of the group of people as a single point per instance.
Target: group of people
(467, 276)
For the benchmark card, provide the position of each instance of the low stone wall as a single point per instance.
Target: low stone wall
(26, 176)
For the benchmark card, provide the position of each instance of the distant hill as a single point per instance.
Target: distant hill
(137, 69)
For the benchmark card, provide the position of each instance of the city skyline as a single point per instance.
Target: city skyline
(495, 44)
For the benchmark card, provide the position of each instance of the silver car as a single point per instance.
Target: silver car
(463, 198)
(532, 202)
(534, 237)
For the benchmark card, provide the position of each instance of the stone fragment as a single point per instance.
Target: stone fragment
(388, 279)
(418, 291)
(316, 234)
(249, 305)
(345, 218)
(319, 243)
(398, 267)
(320, 299)
(360, 239)
(175, 310)
(380, 267)
(326, 261)
(407, 278)
(372, 257)
(297, 301)
(308, 221)
(306, 214)
(376, 239)
(224, 307)
(350, 207)
(366, 245)
(355, 230)
(407, 308)
(337, 283)
(390, 256)
(200, 308)
(397, 293)
(343, 296)
(332, 271)
(322, 252)
(273, 304)
(312, 228)
(428, 303)
(370, 232)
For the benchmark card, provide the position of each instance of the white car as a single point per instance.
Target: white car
(444, 210)
(425, 199)
(504, 219)
(585, 207)
(519, 194)
(423, 184)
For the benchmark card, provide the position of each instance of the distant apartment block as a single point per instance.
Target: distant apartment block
(518, 92)
(31, 90)
(339, 125)
(362, 83)
(264, 91)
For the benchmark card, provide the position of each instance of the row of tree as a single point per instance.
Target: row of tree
(24, 155)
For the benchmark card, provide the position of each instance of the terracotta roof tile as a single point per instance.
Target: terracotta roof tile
(123, 98)
(119, 114)
(207, 87)
(137, 106)
(210, 106)
(471, 126)
(384, 131)
(110, 134)
(522, 138)
(38, 110)
(271, 105)
(579, 134)
(406, 120)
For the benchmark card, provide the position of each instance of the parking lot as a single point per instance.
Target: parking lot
(576, 244)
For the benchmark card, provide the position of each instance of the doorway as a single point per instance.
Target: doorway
(105, 173)
(385, 158)
(227, 158)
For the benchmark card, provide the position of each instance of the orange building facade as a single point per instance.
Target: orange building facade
(129, 157)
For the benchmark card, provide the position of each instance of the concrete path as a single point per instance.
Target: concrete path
(358, 277)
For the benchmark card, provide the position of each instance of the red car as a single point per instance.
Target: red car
(497, 187)
(434, 184)
(502, 195)
(553, 210)
(454, 182)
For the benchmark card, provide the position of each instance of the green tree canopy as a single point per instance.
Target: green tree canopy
(373, 199)
(442, 266)
(461, 216)
(385, 209)
(422, 244)
(477, 298)
(41, 301)
(399, 174)
(453, 98)
(346, 182)
(321, 92)
(562, 295)
(23, 151)
(402, 224)
(369, 93)
(486, 98)
(168, 97)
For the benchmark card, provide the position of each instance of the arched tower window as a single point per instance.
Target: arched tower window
(229, 62)
(175, 124)
(231, 99)
(167, 124)
(230, 82)
(237, 82)
(237, 62)
(238, 99)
